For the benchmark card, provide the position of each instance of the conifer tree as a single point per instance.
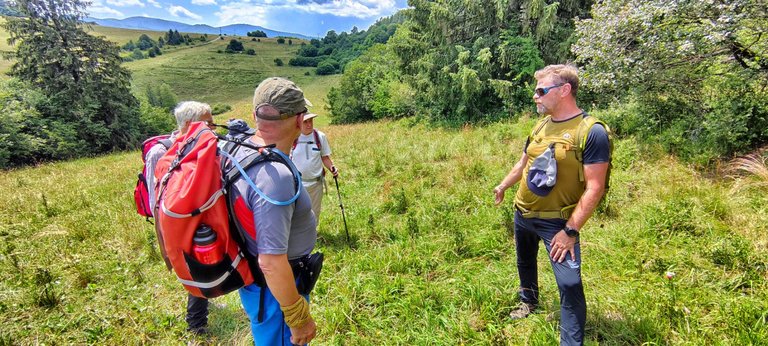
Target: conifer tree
(89, 100)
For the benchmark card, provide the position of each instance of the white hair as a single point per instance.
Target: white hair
(189, 111)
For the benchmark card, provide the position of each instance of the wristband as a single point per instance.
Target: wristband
(296, 315)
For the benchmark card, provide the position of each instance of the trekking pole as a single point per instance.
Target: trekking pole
(341, 205)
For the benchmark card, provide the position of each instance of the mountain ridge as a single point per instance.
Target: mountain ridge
(155, 24)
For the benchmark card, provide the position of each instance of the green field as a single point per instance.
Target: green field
(432, 260)
(203, 74)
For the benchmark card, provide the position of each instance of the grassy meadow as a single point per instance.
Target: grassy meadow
(432, 260)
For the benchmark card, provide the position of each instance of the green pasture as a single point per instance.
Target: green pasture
(199, 72)
(202, 73)
(432, 261)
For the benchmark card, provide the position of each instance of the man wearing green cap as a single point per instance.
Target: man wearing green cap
(281, 228)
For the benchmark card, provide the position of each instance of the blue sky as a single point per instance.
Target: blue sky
(308, 17)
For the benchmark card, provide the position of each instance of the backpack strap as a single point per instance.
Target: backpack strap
(257, 157)
(582, 133)
(317, 140)
(166, 143)
(537, 128)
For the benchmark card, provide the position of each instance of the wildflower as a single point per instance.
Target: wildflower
(670, 275)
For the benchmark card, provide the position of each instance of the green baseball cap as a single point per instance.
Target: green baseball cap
(281, 94)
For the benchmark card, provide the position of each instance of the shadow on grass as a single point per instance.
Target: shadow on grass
(336, 239)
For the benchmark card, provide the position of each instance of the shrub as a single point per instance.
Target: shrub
(280, 40)
(325, 68)
(155, 120)
(250, 51)
(304, 61)
(137, 54)
(161, 96)
(279, 62)
(234, 46)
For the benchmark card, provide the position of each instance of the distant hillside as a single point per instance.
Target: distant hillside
(146, 23)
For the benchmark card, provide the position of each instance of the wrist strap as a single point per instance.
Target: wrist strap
(296, 314)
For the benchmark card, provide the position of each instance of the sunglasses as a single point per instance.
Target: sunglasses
(543, 91)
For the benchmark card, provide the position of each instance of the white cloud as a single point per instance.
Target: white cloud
(104, 10)
(126, 3)
(255, 12)
(204, 2)
(347, 8)
(242, 12)
(181, 12)
(154, 3)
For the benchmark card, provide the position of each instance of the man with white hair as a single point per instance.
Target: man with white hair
(185, 113)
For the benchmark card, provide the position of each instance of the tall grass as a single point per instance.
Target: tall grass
(751, 170)
(431, 259)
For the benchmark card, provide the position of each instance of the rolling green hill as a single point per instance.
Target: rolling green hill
(200, 73)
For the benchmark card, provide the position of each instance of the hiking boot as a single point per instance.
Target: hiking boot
(522, 311)
(200, 331)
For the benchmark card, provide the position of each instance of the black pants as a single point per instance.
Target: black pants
(573, 305)
(197, 312)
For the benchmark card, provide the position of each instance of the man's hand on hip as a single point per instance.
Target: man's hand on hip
(561, 245)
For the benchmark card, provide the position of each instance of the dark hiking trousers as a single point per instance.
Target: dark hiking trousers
(197, 312)
(573, 305)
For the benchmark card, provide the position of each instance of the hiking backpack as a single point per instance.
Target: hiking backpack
(194, 181)
(141, 191)
(582, 132)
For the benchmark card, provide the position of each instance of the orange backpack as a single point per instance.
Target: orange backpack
(193, 181)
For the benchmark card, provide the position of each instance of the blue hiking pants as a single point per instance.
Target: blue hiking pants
(573, 305)
(267, 324)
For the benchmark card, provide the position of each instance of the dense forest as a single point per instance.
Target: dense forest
(688, 75)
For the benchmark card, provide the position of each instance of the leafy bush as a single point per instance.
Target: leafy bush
(278, 62)
(250, 51)
(700, 98)
(325, 67)
(305, 61)
(155, 120)
(370, 89)
(280, 40)
(137, 54)
(22, 134)
(234, 46)
(161, 96)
